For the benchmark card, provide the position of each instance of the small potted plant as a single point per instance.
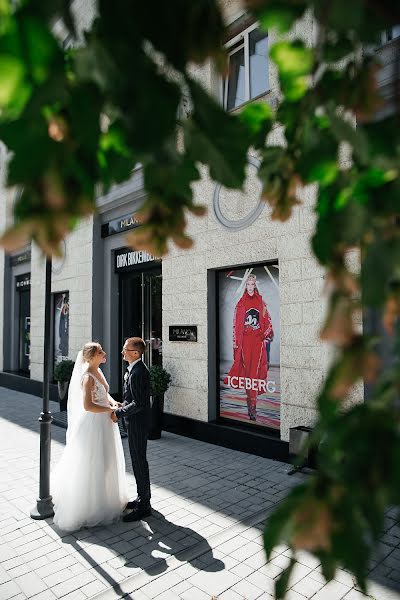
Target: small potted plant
(159, 383)
(62, 374)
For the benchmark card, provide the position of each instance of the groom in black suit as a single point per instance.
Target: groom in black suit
(136, 410)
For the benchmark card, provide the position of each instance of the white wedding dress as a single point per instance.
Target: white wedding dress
(89, 483)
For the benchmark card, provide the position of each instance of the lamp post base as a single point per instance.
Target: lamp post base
(43, 509)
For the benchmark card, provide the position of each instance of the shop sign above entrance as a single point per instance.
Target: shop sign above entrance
(23, 282)
(183, 333)
(18, 259)
(118, 225)
(126, 259)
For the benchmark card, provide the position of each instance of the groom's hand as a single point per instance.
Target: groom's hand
(114, 417)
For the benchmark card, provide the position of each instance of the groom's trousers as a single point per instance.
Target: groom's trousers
(137, 438)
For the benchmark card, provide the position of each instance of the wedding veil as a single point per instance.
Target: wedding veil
(75, 395)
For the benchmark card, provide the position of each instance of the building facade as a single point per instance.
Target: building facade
(249, 285)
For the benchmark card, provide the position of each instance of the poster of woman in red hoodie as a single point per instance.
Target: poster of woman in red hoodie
(250, 387)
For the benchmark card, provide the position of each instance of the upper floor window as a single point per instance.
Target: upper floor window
(391, 34)
(248, 67)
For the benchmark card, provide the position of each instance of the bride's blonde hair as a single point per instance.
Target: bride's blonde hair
(89, 350)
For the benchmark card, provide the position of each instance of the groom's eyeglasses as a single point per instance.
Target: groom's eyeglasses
(128, 350)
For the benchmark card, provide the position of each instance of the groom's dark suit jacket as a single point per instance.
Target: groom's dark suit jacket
(136, 410)
(136, 395)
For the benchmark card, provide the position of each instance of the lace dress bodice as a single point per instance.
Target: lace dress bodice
(99, 393)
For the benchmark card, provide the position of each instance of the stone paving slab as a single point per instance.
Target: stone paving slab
(204, 539)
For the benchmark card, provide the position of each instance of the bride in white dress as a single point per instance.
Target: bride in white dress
(89, 482)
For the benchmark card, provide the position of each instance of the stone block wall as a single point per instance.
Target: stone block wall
(72, 274)
(185, 274)
(302, 304)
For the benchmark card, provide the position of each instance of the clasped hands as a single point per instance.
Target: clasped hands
(113, 406)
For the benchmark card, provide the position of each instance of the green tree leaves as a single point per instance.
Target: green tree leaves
(217, 139)
(292, 58)
(190, 32)
(12, 73)
(295, 62)
(78, 119)
(276, 14)
(258, 118)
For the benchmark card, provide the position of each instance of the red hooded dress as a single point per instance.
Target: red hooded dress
(251, 326)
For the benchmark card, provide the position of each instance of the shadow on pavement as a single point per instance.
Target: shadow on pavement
(156, 541)
(228, 482)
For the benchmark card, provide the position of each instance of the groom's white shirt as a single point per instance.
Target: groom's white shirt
(130, 367)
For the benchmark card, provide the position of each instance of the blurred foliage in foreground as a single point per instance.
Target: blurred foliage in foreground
(79, 118)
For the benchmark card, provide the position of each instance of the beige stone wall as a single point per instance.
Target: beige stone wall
(7, 197)
(73, 274)
(303, 356)
(84, 12)
(302, 304)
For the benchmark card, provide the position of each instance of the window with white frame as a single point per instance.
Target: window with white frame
(248, 67)
(68, 42)
(391, 34)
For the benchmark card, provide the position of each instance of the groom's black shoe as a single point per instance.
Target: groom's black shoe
(133, 504)
(139, 513)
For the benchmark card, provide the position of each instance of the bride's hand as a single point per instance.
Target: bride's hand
(113, 404)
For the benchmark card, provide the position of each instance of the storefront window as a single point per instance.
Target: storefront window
(249, 344)
(141, 300)
(61, 326)
(23, 288)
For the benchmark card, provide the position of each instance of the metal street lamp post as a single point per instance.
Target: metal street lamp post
(44, 504)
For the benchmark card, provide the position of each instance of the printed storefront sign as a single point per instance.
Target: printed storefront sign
(249, 344)
(61, 326)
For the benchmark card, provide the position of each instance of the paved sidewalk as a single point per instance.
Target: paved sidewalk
(203, 541)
